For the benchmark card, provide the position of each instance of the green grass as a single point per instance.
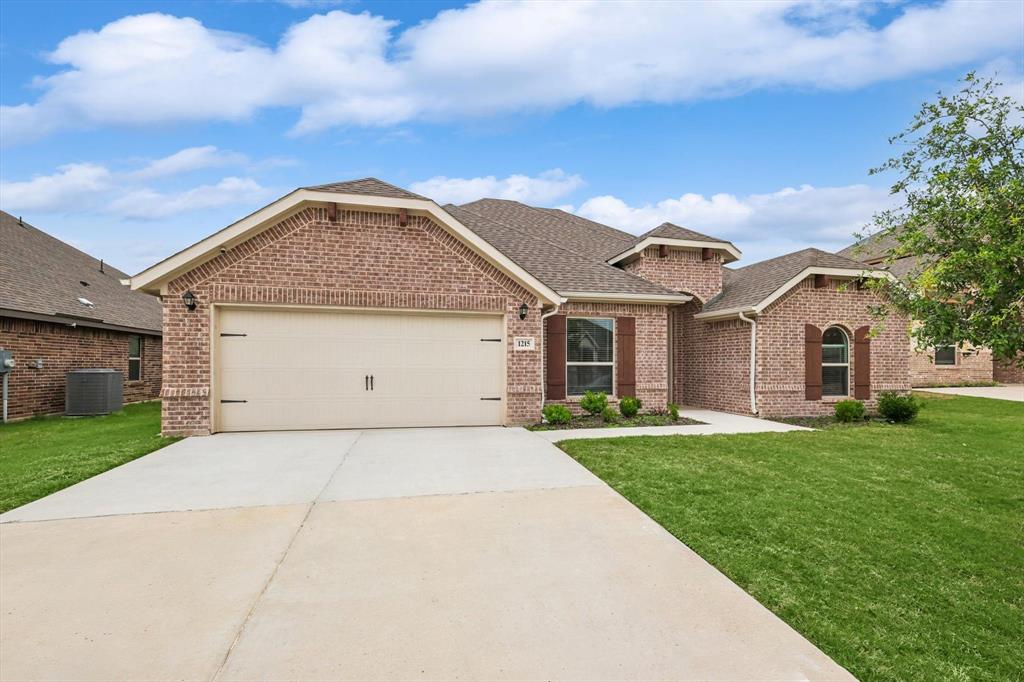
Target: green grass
(43, 455)
(896, 549)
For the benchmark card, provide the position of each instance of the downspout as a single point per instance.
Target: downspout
(753, 361)
(543, 361)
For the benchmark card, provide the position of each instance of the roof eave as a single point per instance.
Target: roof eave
(613, 297)
(77, 322)
(154, 279)
(731, 252)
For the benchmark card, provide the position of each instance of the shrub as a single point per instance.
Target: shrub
(609, 415)
(898, 408)
(849, 410)
(557, 414)
(673, 411)
(629, 407)
(594, 403)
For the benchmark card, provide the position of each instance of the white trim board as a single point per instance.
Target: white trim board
(678, 243)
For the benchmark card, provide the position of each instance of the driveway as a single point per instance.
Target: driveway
(480, 553)
(1007, 392)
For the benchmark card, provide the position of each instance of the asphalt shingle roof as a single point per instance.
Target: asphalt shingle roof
(368, 186)
(42, 275)
(670, 231)
(745, 287)
(876, 249)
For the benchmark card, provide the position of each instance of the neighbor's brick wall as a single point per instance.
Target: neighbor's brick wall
(63, 348)
(1007, 373)
(711, 361)
(680, 270)
(971, 366)
(651, 351)
(780, 346)
(365, 259)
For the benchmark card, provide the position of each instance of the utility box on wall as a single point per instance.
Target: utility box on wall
(93, 391)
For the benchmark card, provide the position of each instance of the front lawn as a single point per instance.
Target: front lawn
(898, 550)
(43, 455)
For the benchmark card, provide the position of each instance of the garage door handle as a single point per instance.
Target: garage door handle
(366, 382)
(371, 382)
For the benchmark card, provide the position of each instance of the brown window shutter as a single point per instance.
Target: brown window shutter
(556, 357)
(862, 364)
(625, 340)
(812, 362)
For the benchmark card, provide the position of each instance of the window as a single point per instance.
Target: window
(945, 355)
(589, 358)
(835, 362)
(134, 358)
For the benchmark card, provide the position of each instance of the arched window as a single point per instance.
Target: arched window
(835, 362)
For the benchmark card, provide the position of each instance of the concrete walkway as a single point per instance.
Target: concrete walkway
(404, 554)
(1008, 392)
(714, 422)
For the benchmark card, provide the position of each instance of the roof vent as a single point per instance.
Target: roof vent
(83, 282)
(86, 302)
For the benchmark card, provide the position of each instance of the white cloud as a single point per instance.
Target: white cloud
(341, 68)
(149, 204)
(72, 183)
(190, 159)
(761, 225)
(542, 189)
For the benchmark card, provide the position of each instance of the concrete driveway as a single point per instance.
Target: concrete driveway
(1006, 392)
(400, 554)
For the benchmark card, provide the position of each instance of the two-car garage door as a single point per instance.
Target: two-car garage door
(326, 369)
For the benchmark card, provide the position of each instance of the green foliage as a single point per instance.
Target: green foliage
(898, 408)
(960, 176)
(629, 407)
(673, 411)
(594, 402)
(849, 410)
(557, 414)
(609, 415)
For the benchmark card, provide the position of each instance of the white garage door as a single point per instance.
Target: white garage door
(311, 369)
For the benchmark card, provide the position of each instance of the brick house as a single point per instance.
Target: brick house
(945, 365)
(61, 309)
(360, 304)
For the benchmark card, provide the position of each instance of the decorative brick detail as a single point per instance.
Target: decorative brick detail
(780, 348)
(651, 350)
(63, 348)
(971, 365)
(680, 270)
(364, 259)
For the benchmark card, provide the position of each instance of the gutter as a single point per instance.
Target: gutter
(543, 361)
(753, 360)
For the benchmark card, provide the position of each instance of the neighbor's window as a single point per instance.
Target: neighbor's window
(835, 362)
(134, 358)
(589, 358)
(945, 355)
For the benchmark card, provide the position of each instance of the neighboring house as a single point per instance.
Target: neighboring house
(61, 309)
(360, 304)
(943, 365)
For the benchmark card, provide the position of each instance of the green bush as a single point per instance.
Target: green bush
(898, 408)
(673, 411)
(557, 414)
(849, 410)
(609, 415)
(594, 403)
(629, 407)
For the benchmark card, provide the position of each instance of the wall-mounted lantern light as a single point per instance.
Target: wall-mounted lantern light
(523, 309)
(190, 299)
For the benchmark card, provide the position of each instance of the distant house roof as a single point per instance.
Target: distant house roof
(877, 249)
(42, 276)
(748, 287)
(366, 186)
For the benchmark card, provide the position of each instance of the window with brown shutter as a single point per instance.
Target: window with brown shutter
(625, 328)
(812, 362)
(862, 363)
(555, 349)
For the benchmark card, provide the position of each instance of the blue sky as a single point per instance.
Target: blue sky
(133, 129)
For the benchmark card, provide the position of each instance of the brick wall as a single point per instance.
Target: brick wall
(63, 348)
(711, 361)
(1007, 372)
(364, 259)
(680, 270)
(971, 366)
(780, 346)
(651, 350)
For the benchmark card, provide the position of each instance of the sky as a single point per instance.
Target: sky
(133, 129)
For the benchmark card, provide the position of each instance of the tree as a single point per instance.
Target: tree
(961, 181)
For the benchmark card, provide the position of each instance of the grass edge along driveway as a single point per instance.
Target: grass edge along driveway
(43, 455)
(897, 550)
